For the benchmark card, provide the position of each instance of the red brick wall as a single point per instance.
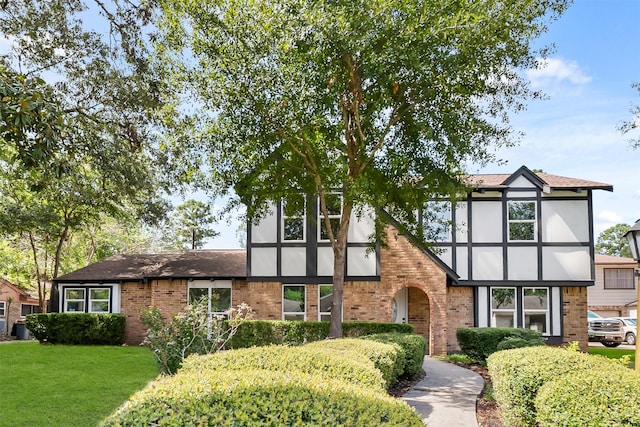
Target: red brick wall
(574, 313)
(459, 314)
(134, 297)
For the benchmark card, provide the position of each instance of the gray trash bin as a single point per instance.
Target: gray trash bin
(22, 333)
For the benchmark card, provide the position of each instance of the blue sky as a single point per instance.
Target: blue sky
(575, 131)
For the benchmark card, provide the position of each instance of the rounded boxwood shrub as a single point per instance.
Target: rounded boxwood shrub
(480, 343)
(387, 358)
(349, 366)
(515, 342)
(413, 346)
(518, 374)
(606, 397)
(260, 398)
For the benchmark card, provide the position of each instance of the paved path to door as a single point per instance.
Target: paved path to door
(446, 397)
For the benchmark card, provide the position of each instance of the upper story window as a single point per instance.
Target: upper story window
(293, 219)
(334, 209)
(217, 296)
(437, 221)
(619, 278)
(522, 221)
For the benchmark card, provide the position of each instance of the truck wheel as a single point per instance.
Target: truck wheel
(610, 344)
(631, 338)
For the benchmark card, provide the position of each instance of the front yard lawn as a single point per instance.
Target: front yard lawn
(614, 353)
(68, 385)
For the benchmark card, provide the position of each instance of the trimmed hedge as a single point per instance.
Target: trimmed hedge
(480, 343)
(77, 328)
(352, 367)
(517, 376)
(260, 398)
(607, 397)
(265, 332)
(413, 346)
(387, 358)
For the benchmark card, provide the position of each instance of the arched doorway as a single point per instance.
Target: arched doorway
(411, 305)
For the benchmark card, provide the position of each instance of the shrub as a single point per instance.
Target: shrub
(514, 342)
(77, 328)
(348, 366)
(192, 331)
(260, 397)
(480, 343)
(265, 332)
(606, 397)
(387, 358)
(518, 374)
(413, 346)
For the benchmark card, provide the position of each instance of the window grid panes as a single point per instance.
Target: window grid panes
(325, 298)
(522, 221)
(26, 309)
(217, 297)
(619, 278)
(503, 307)
(437, 221)
(293, 219)
(3, 309)
(536, 309)
(99, 300)
(74, 300)
(293, 302)
(334, 210)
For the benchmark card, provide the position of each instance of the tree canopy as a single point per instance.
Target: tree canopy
(384, 101)
(612, 241)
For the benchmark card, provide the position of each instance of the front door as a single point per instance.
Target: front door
(399, 307)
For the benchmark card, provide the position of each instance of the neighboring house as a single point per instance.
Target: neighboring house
(15, 304)
(615, 291)
(520, 254)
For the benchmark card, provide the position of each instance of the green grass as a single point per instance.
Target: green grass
(56, 385)
(614, 353)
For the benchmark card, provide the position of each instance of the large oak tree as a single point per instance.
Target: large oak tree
(384, 101)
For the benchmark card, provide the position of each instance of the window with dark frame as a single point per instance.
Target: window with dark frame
(3, 309)
(293, 219)
(293, 302)
(522, 221)
(619, 278)
(334, 210)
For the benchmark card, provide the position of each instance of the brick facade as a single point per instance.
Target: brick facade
(574, 313)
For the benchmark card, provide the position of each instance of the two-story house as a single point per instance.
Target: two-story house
(615, 291)
(517, 251)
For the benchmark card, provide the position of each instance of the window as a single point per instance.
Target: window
(325, 298)
(437, 221)
(216, 294)
(503, 307)
(334, 209)
(522, 221)
(3, 309)
(293, 218)
(74, 300)
(87, 300)
(293, 306)
(536, 309)
(619, 278)
(99, 300)
(26, 309)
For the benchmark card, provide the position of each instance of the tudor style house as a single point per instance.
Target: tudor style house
(517, 251)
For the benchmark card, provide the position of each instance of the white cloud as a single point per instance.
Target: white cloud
(609, 216)
(552, 71)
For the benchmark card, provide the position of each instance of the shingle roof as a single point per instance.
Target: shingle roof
(192, 264)
(608, 259)
(555, 182)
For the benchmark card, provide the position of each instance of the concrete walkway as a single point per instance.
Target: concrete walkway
(446, 397)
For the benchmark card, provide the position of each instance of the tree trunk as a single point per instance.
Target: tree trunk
(339, 262)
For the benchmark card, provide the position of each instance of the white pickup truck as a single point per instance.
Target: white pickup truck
(610, 332)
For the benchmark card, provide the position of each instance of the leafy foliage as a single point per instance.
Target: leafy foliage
(77, 328)
(383, 101)
(612, 241)
(190, 225)
(414, 347)
(191, 331)
(480, 343)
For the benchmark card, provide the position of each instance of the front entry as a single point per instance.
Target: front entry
(400, 306)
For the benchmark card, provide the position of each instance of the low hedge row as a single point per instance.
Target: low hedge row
(265, 332)
(413, 346)
(519, 374)
(349, 366)
(480, 343)
(607, 397)
(269, 387)
(77, 328)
